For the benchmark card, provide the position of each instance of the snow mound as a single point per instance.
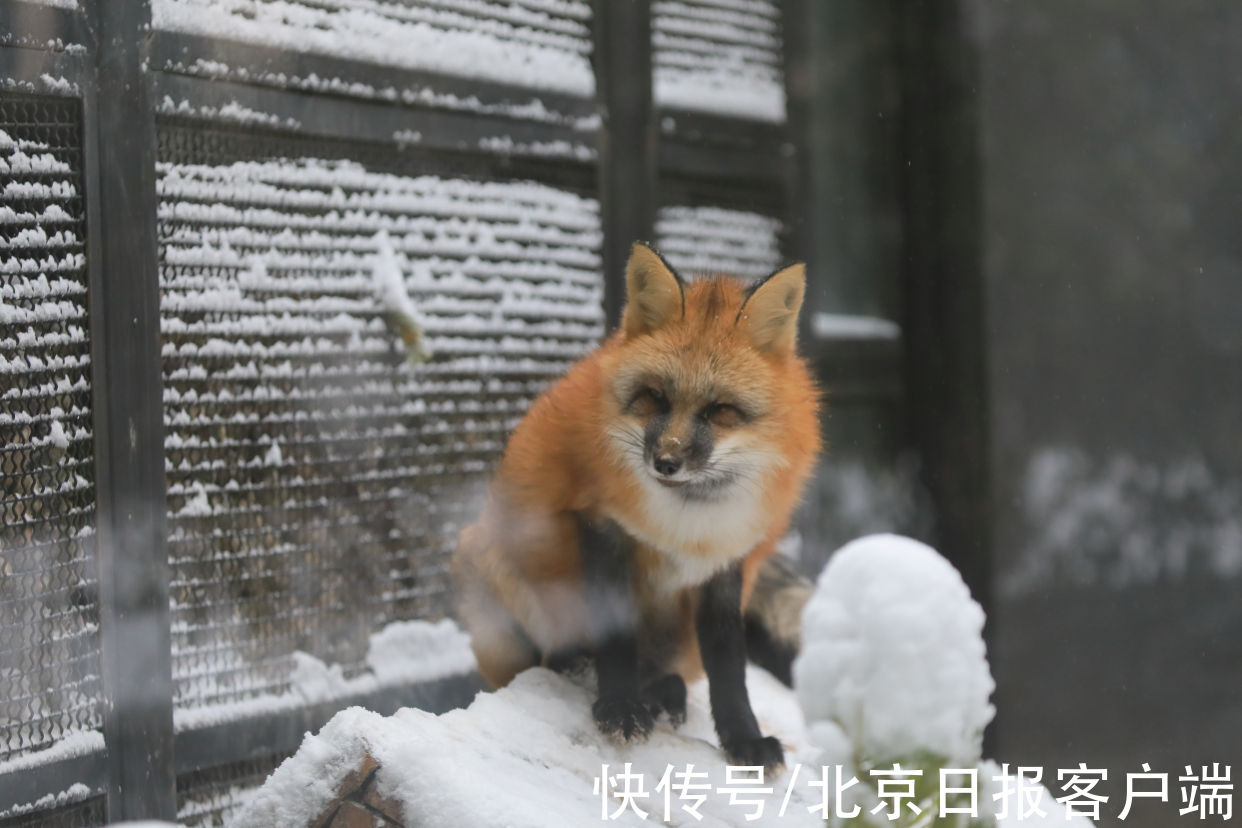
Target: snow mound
(893, 654)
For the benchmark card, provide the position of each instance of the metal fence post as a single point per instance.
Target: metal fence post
(627, 138)
(797, 69)
(124, 311)
(944, 319)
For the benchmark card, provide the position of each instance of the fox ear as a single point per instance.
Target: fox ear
(653, 292)
(770, 311)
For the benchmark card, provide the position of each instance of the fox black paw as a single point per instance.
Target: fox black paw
(625, 718)
(763, 750)
(667, 694)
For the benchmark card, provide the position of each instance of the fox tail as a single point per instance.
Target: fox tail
(773, 617)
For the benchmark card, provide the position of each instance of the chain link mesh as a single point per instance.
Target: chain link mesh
(210, 797)
(317, 481)
(49, 643)
(86, 813)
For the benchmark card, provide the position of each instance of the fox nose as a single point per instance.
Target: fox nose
(667, 465)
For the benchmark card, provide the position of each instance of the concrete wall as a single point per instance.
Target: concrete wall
(1112, 257)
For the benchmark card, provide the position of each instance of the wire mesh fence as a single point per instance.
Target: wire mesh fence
(49, 646)
(315, 479)
(59, 812)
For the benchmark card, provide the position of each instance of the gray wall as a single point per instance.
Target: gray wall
(1112, 204)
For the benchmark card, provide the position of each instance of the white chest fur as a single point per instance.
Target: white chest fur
(696, 539)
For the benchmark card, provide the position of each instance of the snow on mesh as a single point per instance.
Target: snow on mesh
(316, 481)
(541, 44)
(718, 240)
(720, 56)
(49, 681)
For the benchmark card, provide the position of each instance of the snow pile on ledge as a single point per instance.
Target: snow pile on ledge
(527, 755)
(402, 653)
(515, 43)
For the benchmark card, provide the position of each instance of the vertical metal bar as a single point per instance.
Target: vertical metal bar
(798, 67)
(627, 138)
(129, 434)
(944, 321)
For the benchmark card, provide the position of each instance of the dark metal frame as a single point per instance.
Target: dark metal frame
(638, 165)
(942, 284)
(627, 139)
(129, 423)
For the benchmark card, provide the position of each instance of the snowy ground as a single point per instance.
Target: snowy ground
(529, 755)
(886, 610)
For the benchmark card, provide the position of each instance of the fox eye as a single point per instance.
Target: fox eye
(648, 402)
(723, 415)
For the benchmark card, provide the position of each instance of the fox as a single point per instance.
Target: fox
(638, 500)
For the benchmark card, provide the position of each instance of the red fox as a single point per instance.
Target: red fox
(638, 498)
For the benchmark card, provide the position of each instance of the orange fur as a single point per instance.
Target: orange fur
(518, 568)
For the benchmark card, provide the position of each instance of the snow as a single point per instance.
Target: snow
(196, 506)
(59, 85)
(893, 667)
(231, 111)
(893, 654)
(280, 386)
(533, 44)
(1124, 520)
(505, 145)
(720, 57)
(45, 452)
(288, 257)
(402, 653)
(70, 746)
(408, 651)
(719, 240)
(531, 109)
(57, 435)
(849, 326)
(76, 792)
(525, 756)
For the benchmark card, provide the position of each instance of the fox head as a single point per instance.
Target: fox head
(707, 389)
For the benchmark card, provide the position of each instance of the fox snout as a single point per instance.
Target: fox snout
(667, 464)
(668, 453)
(672, 450)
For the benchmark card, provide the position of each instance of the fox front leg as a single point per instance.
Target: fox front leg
(722, 642)
(607, 571)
